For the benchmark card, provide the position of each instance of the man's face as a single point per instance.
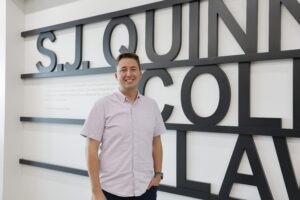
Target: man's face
(128, 74)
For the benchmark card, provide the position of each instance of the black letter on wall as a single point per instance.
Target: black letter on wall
(224, 99)
(176, 36)
(107, 38)
(247, 41)
(275, 20)
(78, 51)
(167, 80)
(194, 32)
(244, 103)
(199, 188)
(246, 144)
(46, 52)
(281, 146)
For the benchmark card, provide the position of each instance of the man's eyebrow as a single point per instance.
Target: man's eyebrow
(125, 66)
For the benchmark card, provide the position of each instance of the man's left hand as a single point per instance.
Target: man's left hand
(154, 182)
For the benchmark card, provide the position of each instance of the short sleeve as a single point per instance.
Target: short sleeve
(159, 123)
(94, 124)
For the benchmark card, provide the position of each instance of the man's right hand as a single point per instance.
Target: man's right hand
(99, 196)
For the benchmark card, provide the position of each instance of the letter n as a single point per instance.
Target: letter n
(247, 40)
(293, 6)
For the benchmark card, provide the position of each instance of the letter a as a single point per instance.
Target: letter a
(246, 144)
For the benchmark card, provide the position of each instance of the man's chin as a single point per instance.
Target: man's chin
(131, 88)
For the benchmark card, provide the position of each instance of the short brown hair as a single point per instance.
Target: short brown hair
(129, 55)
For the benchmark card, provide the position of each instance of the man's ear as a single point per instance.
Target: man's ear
(116, 76)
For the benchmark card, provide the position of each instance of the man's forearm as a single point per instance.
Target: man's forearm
(157, 154)
(93, 164)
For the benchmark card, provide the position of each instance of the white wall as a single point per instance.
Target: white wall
(72, 97)
(2, 90)
(13, 101)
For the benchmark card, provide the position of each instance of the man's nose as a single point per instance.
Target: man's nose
(129, 72)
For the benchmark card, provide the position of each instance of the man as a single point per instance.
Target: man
(123, 139)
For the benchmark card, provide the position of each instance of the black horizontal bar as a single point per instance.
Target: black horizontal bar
(163, 188)
(107, 16)
(236, 130)
(189, 127)
(54, 167)
(289, 54)
(99, 70)
(51, 120)
(190, 193)
(184, 192)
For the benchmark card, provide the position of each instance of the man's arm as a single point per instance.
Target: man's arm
(93, 166)
(157, 155)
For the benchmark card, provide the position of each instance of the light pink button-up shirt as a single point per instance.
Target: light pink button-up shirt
(126, 132)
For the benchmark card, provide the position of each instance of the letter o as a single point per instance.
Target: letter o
(107, 38)
(224, 98)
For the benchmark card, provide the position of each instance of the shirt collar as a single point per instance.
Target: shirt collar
(123, 98)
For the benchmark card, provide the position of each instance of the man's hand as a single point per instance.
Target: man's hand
(99, 196)
(154, 182)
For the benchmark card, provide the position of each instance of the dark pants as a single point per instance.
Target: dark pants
(148, 195)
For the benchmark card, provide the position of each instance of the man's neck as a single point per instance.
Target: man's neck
(130, 94)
